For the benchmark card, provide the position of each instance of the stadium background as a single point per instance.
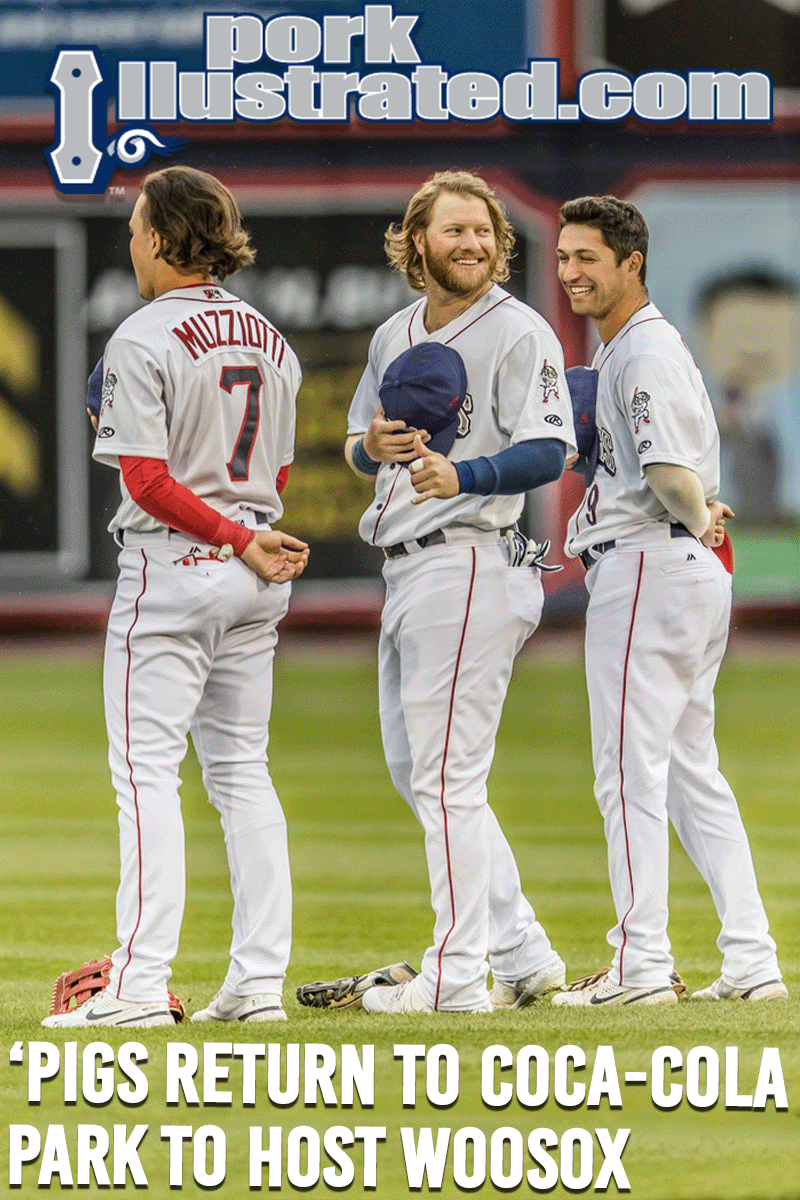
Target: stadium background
(723, 202)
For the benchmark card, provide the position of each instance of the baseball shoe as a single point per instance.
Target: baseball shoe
(348, 991)
(771, 989)
(106, 1009)
(265, 1006)
(403, 998)
(598, 989)
(519, 993)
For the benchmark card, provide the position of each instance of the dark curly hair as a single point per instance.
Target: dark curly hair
(623, 227)
(198, 220)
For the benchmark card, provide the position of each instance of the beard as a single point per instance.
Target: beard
(455, 279)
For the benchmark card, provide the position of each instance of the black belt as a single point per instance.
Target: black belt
(436, 538)
(590, 556)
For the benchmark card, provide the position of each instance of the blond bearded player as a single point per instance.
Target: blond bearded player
(457, 607)
(657, 625)
(198, 415)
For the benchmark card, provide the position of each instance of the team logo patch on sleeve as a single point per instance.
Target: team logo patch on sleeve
(548, 382)
(640, 408)
(107, 394)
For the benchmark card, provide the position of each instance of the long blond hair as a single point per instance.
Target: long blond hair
(399, 237)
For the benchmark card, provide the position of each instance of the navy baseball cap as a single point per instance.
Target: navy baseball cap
(425, 386)
(94, 391)
(582, 384)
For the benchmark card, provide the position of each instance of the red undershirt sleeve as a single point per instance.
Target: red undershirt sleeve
(152, 487)
(282, 478)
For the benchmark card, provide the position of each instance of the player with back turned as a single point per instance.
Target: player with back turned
(198, 415)
(460, 602)
(657, 625)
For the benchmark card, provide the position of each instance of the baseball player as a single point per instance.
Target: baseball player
(457, 610)
(198, 415)
(657, 624)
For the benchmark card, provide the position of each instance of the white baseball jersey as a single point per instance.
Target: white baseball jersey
(455, 617)
(200, 379)
(515, 392)
(656, 628)
(652, 407)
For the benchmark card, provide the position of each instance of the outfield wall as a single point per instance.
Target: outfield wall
(723, 201)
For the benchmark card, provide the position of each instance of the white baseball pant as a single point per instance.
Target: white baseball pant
(656, 631)
(190, 648)
(454, 619)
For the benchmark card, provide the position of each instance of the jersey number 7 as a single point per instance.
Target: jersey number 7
(239, 463)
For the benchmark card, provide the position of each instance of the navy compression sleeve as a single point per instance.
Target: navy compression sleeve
(517, 469)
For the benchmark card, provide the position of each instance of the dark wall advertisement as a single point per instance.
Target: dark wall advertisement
(43, 507)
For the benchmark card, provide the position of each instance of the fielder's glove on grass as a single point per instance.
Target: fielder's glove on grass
(348, 991)
(74, 988)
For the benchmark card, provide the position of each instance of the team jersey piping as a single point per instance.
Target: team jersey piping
(383, 510)
(458, 333)
(200, 299)
(635, 325)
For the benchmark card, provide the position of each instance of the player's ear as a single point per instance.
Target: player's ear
(156, 242)
(418, 238)
(635, 262)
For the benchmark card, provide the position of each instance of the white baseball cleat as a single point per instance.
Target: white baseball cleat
(266, 1006)
(519, 993)
(106, 1009)
(403, 998)
(771, 989)
(603, 991)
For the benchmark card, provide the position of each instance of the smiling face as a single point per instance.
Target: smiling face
(597, 285)
(458, 246)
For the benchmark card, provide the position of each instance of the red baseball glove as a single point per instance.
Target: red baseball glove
(74, 988)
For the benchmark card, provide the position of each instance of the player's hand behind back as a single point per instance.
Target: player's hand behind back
(715, 532)
(276, 557)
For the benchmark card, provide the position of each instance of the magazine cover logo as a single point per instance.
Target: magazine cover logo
(296, 67)
(77, 162)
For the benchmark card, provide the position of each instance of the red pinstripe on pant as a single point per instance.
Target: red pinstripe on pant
(130, 765)
(442, 777)
(621, 769)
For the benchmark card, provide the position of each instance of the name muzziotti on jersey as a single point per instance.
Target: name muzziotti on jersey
(209, 330)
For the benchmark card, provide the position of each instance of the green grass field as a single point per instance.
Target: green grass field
(361, 899)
